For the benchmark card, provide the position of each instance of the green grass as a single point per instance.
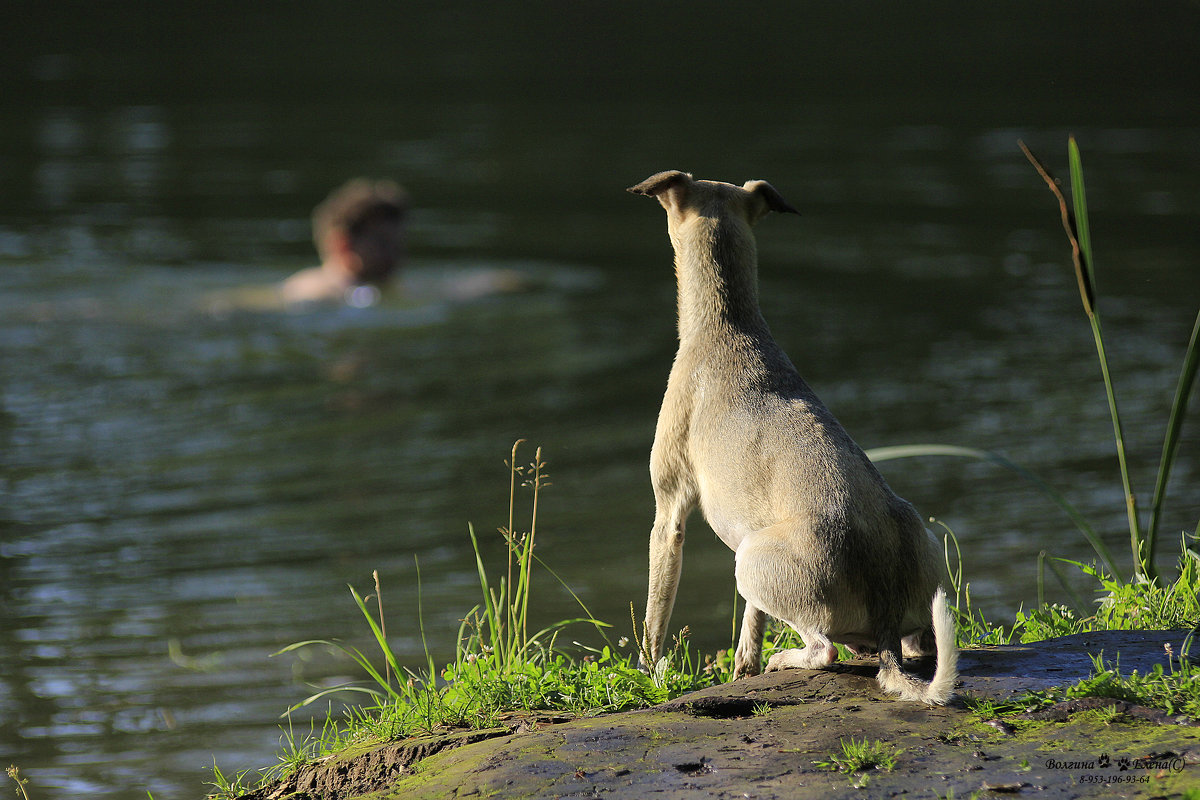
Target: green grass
(1174, 691)
(500, 666)
(1117, 606)
(226, 787)
(862, 756)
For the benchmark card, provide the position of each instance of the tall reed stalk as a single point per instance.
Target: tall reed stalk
(1143, 540)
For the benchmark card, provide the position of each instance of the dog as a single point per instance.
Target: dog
(820, 540)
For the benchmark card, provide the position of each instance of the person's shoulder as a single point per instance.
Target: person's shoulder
(311, 285)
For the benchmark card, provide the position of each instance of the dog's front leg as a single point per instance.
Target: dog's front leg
(747, 659)
(666, 563)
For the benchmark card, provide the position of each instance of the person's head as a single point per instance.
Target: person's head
(359, 229)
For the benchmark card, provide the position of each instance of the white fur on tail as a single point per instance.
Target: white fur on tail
(893, 680)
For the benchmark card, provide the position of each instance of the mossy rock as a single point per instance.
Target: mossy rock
(769, 736)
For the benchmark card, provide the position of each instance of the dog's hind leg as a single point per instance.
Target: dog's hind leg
(817, 652)
(747, 659)
(773, 579)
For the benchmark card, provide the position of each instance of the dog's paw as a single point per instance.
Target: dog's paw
(747, 661)
(747, 670)
(778, 661)
(812, 657)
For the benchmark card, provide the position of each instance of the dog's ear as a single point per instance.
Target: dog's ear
(669, 187)
(771, 198)
(661, 182)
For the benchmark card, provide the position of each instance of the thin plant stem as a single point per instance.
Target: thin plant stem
(528, 549)
(387, 667)
(512, 531)
(421, 621)
(1041, 578)
(1140, 564)
(1079, 235)
(15, 774)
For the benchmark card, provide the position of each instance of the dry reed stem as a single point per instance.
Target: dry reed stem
(1068, 219)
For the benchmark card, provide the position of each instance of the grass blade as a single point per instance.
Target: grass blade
(1187, 378)
(353, 653)
(591, 618)
(491, 611)
(377, 632)
(1142, 563)
(421, 625)
(306, 643)
(1076, 600)
(880, 454)
(332, 691)
(1079, 204)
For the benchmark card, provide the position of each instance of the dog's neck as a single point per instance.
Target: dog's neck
(716, 269)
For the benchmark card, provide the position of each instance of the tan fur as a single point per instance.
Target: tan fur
(821, 541)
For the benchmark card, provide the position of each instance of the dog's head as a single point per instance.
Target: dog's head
(683, 196)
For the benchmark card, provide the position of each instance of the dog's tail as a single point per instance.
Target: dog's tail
(894, 680)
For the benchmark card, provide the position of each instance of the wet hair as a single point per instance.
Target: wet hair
(355, 205)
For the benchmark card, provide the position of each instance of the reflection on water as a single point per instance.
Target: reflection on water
(191, 475)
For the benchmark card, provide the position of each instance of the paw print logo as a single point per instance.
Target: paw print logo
(1124, 763)
(1104, 761)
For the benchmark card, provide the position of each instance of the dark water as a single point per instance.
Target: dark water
(190, 483)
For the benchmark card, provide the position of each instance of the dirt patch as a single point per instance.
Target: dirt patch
(771, 736)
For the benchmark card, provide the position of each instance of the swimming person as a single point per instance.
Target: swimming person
(359, 231)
